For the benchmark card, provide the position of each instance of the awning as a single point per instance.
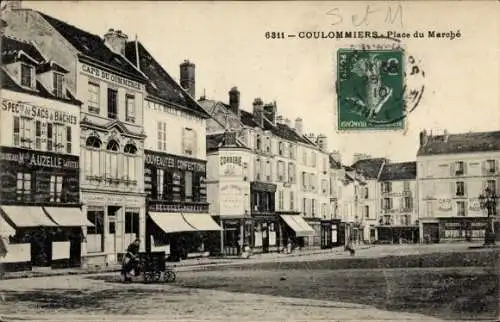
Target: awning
(6, 230)
(67, 217)
(298, 225)
(203, 222)
(24, 216)
(171, 222)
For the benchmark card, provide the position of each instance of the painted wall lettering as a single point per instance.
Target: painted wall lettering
(38, 112)
(99, 73)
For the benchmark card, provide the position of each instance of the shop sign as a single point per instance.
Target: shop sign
(30, 158)
(38, 112)
(169, 161)
(231, 200)
(231, 166)
(99, 73)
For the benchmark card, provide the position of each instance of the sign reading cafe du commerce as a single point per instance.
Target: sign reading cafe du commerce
(35, 176)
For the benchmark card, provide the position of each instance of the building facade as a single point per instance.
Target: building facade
(40, 218)
(453, 170)
(111, 137)
(175, 159)
(398, 222)
(279, 193)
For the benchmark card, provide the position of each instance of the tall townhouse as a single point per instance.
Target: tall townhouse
(453, 170)
(399, 219)
(349, 192)
(112, 136)
(275, 199)
(175, 162)
(40, 217)
(333, 231)
(368, 207)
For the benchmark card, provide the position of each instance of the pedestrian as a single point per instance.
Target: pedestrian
(130, 259)
(350, 248)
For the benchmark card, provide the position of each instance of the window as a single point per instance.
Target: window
(112, 104)
(280, 199)
(162, 136)
(26, 75)
(291, 173)
(188, 186)
(366, 192)
(304, 206)
(281, 171)
(408, 203)
(367, 211)
(130, 108)
(38, 135)
(313, 159)
(112, 170)
(25, 132)
(94, 98)
(292, 152)
(160, 183)
(460, 188)
(305, 180)
(387, 203)
(492, 185)
(460, 208)
(16, 138)
(491, 166)
(68, 139)
(459, 168)
(292, 197)
(130, 161)
(95, 240)
(132, 223)
(58, 85)
(55, 188)
(406, 186)
(405, 220)
(59, 134)
(304, 158)
(313, 207)
(258, 143)
(386, 186)
(281, 147)
(189, 141)
(50, 137)
(92, 156)
(23, 190)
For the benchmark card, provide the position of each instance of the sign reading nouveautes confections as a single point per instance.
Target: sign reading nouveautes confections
(169, 161)
(107, 76)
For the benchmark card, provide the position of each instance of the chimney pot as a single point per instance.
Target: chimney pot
(187, 79)
(116, 40)
(234, 100)
(299, 125)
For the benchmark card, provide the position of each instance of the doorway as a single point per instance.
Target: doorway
(265, 237)
(75, 247)
(41, 247)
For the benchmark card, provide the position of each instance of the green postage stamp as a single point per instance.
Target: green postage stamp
(370, 89)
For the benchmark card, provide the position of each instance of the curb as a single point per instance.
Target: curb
(30, 274)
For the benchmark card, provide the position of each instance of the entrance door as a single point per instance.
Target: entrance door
(325, 236)
(75, 248)
(431, 232)
(265, 237)
(41, 248)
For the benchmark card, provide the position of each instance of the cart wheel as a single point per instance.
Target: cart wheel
(169, 276)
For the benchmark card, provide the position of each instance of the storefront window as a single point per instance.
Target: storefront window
(95, 240)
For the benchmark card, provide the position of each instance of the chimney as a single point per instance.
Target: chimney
(322, 142)
(299, 125)
(446, 135)
(258, 112)
(270, 112)
(234, 100)
(288, 123)
(12, 5)
(279, 119)
(188, 77)
(424, 139)
(116, 40)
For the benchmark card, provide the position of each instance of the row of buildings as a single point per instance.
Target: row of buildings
(100, 145)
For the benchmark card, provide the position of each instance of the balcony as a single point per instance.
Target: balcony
(262, 210)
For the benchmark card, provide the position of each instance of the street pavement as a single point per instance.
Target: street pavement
(89, 298)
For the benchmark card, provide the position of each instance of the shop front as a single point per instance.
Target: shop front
(39, 201)
(462, 229)
(178, 217)
(266, 235)
(330, 233)
(295, 230)
(398, 234)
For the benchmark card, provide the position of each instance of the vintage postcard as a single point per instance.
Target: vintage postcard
(249, 160)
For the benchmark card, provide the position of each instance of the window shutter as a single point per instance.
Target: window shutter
(452, 169)
(465, 167)
(453, 189)
(465, 188)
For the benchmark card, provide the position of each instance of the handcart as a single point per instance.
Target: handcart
(153, 268)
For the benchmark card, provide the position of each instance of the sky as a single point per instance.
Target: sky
(226, 41)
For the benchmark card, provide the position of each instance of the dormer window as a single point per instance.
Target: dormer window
(58, 85)
(26, 75)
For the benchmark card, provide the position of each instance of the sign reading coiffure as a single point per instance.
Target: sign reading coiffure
(174, 162)
(104, 75)
(231, 165)
(38, 112)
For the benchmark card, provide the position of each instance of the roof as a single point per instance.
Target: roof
(334, 164)
(92, 46)
(12, 47)
(370, 168)
(216, 141)
(399, 171)
(161, 85)
(461, 143)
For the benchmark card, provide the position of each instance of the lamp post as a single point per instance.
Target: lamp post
(488, 201)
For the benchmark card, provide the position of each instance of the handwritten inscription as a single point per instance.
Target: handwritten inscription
(392, 15)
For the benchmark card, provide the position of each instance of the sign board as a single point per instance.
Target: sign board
(36, 112)
(109, 77)
(231, 200)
